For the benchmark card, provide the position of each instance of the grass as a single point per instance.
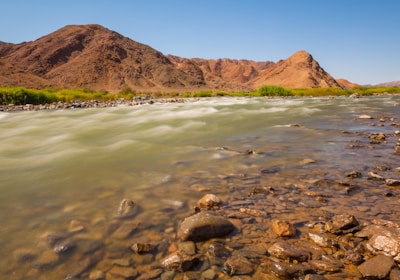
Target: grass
(22, 95)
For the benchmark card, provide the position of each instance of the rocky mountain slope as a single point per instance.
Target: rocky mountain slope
(91, 56)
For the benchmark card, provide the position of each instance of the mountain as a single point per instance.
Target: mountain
(94, 57)
(389, 84)
(298, 71)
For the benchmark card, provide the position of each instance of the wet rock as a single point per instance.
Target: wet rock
(289, 271)
(24, 255)
(87, 246)
(377, 267)
(283, 228)
(322, 240)
(179, 262)
(187, 247)
(125, 230)
(47, 259)
(354, 174)
(285, 251)
(142, 248)
(253, 212)
(152, 274)
(237, 266)
(374, 176)
(325, 266)
(123, 271)
(341, 222)
(354, 257)
(64, 246)
(365, 117)
(218, 249)
(392, 182)
(76, 226)
(378, 136)
(203, 226)
(127, 208)
(78, 268)
(97, 275)
(394, 274)
(209, 201)
(208, 274)
(385, 244)
(52, 237)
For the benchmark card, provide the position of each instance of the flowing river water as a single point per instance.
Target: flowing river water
(65, 167)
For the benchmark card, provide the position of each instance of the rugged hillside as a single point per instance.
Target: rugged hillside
(298, 71)
(389, 84)
(91, 56)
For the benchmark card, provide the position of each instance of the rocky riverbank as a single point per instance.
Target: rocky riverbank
(88, 104)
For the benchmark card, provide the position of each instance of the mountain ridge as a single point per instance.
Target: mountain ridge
(94, 57)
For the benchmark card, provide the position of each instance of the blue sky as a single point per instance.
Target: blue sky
(354, 39)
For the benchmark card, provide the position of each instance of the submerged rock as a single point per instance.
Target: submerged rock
(179, 261)
(283, 228)
(285, 251)
(127, 208)
(203, 226)
(209, 201)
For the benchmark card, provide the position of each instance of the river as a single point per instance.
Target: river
(78, 164)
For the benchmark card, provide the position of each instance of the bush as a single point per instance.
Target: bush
(273, 91)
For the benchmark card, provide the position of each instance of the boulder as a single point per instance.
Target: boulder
(203, 226)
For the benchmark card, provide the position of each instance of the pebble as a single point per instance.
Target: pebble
(127, 208)
(283, 228)
(209, 201)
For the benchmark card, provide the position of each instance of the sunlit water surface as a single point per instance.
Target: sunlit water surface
(60, 165)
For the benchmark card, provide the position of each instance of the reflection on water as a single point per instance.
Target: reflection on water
(57, 166)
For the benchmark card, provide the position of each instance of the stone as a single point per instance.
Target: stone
(377, 267)
(218, 249)
(237, 266)
(47, 259)
(203, 226)
(76, 226)
(283, 228)
(97, 275)
(392, 182)
(125, 230)
(209, 201)
(388, 245)
(24, 255)
(289, 271)
(394, 274)
(325, 266)
(341, 222)
(285, 251)
(365, 117)
(179, 262)
(123, 271)
(64, 246)
(142, 248)
(127, 208)
(322, 240)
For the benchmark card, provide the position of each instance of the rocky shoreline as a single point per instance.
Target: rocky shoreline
(88, 104)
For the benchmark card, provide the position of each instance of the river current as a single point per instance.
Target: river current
(78, 164)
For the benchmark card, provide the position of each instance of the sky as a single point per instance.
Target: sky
(358, 40)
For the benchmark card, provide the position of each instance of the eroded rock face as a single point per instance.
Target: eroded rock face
(203, 226)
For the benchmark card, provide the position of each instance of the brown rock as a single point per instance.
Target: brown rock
(142, 248)
(238, 266)
(123, 271)
(203, 226)
(179, 261)
(285, 251)
(289, 271)
(377, 267)
(341, 222)
(209, 201)
(283, 228)
(127, 208)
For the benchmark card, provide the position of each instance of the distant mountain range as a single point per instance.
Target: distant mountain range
(94, 57)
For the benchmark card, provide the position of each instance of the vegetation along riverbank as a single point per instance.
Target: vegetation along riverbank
(21, 98)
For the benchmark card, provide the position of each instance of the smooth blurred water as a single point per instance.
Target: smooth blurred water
(87, 160)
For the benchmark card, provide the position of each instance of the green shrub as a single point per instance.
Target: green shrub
(273, 91)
